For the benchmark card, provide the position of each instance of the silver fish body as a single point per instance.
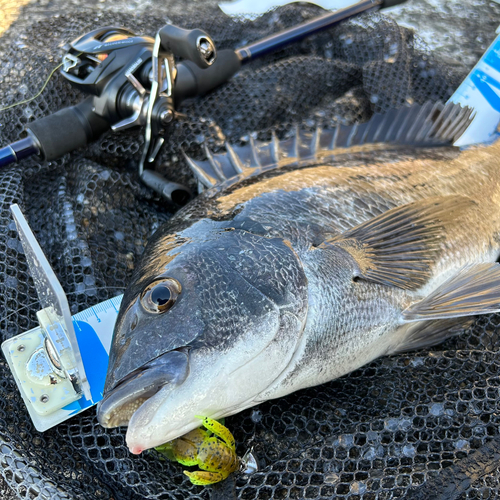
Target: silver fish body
(292, 275)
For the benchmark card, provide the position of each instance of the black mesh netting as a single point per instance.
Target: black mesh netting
(407, 426)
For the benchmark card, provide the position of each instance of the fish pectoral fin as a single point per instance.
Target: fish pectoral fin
(422, 334)
(399, 247)
(474, 290)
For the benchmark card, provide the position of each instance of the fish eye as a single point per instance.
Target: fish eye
(160, 295)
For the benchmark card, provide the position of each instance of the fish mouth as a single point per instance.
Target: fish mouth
(129, 394)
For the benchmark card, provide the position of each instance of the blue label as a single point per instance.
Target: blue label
(95, 360)
(492, 57)
(485, 84)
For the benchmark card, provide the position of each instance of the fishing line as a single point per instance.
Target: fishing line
(36, 95)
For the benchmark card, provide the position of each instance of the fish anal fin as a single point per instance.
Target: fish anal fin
(423, 334)
(474, 290)
(399, 247)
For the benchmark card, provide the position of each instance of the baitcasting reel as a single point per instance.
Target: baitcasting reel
(134, 81)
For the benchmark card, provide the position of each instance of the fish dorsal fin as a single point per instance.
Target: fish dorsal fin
(426, 125)
(399, 247)
(474, 290)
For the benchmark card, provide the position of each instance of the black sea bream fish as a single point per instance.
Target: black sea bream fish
(306, 260)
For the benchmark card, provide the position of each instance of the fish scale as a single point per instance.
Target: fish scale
(302, 270)
(331, 190)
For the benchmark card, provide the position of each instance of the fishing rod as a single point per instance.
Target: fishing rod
(134, 81)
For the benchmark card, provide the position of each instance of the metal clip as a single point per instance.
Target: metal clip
(249, 464)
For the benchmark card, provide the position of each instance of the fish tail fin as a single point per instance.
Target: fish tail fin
(426, 125)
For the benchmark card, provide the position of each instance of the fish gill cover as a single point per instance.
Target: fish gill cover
(397, 428)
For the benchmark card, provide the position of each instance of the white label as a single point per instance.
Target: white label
(256, 7)
(481, 91)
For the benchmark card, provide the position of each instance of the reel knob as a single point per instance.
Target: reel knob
(193, 45)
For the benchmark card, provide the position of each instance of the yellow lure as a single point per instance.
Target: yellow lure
(212, 450)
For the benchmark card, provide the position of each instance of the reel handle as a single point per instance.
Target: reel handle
(194, 45)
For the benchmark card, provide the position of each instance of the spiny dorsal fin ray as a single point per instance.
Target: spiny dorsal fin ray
(430, 124)
(417, 126)
(474, 290)
(200, 172)
(314, 144)
(254, 151)
(275, 148)
(399, 247)
(214, 163)
(237, 164)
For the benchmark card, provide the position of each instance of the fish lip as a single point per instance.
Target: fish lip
(128, 394)
(141, 435)
(135, 436)
(144, 414)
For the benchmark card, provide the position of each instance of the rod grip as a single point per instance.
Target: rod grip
(68, 129)
(391, 3)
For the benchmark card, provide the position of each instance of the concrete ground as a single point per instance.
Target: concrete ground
(5, 492)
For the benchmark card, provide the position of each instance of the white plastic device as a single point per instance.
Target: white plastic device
(60, 366)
